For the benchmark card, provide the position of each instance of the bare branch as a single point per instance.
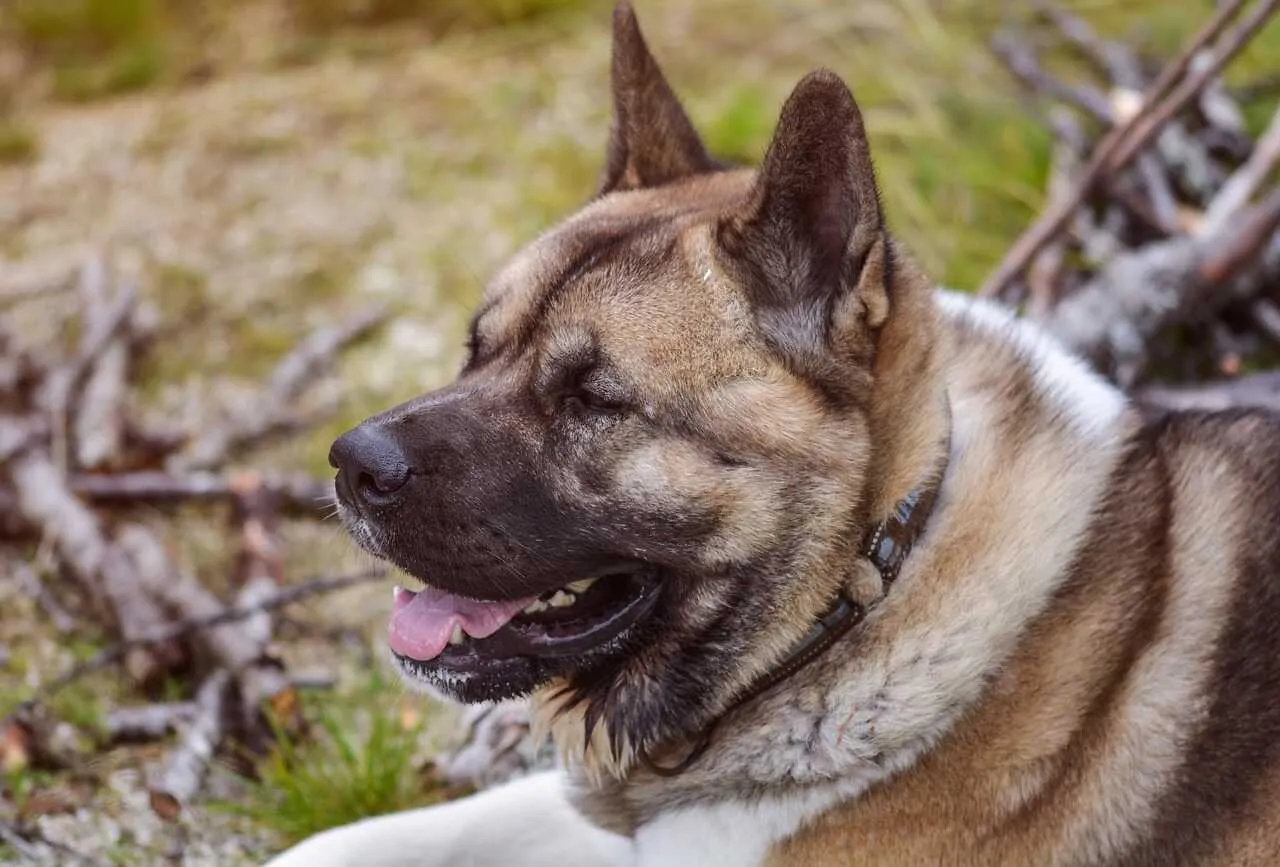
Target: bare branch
(288, 596)
(99, 567)
(1257, 390)
(149, 722)
(1113, 319)
(1242, 185)
(186, 769)
(299, 494)
(1161, 100)
(1148, 124)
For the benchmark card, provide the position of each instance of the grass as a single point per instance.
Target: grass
(439, 15)
(94, 48)
(19, 144)
(359, 764)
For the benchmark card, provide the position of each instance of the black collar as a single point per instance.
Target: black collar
(887, 547)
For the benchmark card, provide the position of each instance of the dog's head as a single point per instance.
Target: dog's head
(654, 471)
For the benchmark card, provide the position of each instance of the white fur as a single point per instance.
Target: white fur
(1089, 400)
(530, 822)
(727, 834)
(525, 822)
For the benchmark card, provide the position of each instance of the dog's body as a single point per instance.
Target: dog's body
(1079, 662)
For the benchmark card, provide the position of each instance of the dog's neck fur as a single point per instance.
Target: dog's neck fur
(886, 547)
(873, 703)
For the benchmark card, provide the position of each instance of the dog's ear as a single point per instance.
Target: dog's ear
(651, 141)
(810, 242)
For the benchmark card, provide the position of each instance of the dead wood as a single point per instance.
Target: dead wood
(100, 569)
(31, 584)
(1171, 91)
(1115, 318)
(150, 722)
(294, 495)
(184, 773)
(1244, 184)
(1258, 390)
(288, 596)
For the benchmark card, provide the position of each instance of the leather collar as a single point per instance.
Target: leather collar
(886, 546)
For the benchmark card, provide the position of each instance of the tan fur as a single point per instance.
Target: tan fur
(967, 801)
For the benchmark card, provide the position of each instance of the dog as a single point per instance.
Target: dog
(803, 561)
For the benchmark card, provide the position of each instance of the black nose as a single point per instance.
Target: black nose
(371, 465)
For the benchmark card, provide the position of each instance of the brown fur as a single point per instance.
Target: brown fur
(1039, 769)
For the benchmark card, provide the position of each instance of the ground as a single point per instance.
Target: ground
(262, 176)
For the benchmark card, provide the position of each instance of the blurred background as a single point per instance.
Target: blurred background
(257, 174)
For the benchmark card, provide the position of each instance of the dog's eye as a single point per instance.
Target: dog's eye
(592, 391)
(586, 401)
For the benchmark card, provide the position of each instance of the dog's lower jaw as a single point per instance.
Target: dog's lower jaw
(519, 678)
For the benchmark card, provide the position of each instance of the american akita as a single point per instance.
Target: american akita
(805, 563)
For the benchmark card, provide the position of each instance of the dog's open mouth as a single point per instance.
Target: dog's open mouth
(436, 629)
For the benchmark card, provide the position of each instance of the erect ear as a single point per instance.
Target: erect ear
(651, 141)
(811, 242)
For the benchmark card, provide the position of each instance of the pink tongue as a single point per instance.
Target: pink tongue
(422, 622)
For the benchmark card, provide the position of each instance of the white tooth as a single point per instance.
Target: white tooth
(456, 637)
(580, 586)
(535, 606)
(561, 599)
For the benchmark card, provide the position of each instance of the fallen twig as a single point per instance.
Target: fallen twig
(186, 768)
(30, 843)
(1242, 185)
(31, 584)
(104, 574)
(149, 722)
(1256, 390)
(1114, 318)
(70, 450)
(1147, 124)
(1254, 231)
(296, 494)
(95, 404)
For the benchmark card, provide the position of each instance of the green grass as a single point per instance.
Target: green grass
(63, 27)
(100, 48)
(440, 15)
(359, 763)
(19, 143)
(94, 48)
